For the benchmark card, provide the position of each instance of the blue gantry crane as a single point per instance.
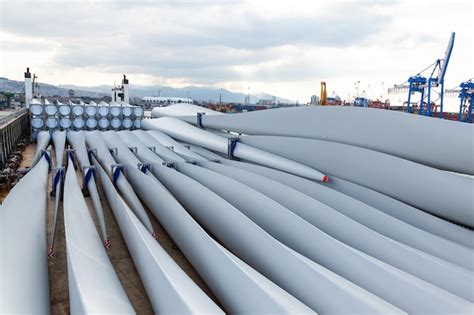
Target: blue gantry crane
(465, 93)
(426, 85)
(466, 97)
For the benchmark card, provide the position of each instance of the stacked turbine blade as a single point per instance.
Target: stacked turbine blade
(36, 117)
(138, 113)
(64, 111)
(278, 220)
(51, 119)
(90, 113)
(92, 116)
(78, 121)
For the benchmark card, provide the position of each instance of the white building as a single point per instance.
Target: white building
(314, 100)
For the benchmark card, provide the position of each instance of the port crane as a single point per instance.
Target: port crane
(323, 94)
(465, 92)
(426, 85)
(466, 96)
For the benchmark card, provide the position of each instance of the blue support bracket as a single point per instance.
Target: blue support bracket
(92, 153)
(231, 144)
(57, 178)
(116, 170)
(71, 154)
(144, 167)
(47, 156)
(89, 173)
(199, 120)
(169, 164)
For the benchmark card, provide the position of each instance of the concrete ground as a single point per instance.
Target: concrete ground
(118, 254)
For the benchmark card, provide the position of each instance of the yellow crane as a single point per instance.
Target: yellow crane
(323, 95)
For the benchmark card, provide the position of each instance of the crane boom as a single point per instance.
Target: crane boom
(447, 56)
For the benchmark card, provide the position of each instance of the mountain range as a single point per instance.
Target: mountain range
(197, 93)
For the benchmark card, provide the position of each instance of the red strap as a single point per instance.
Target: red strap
(107, 244)
(51, 252)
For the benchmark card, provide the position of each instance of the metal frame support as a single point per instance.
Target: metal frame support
(92, 152)
(58, 177)
(47, 155)
(70, 153)
(199, 119)
(143, 167)
(170, 164)
(231, 144)
(116, 169)
(88, 172)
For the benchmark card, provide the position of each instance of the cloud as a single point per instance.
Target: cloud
(256, 32)
(207, 41)
(278, 45)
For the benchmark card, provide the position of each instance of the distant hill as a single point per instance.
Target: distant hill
(194, 92)
(47, 90)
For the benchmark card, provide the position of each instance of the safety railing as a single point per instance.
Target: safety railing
(5, 119)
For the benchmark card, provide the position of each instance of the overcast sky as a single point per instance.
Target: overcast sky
(280, 47)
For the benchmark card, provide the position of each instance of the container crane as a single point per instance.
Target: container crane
(465, 93)
(425, 86)
(361, 101)
(466, 97)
